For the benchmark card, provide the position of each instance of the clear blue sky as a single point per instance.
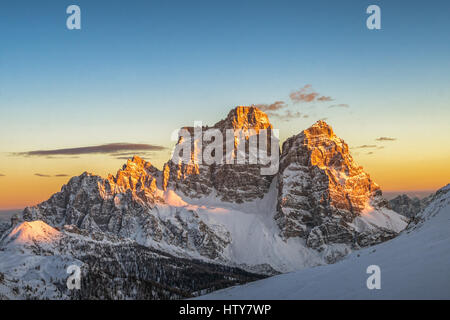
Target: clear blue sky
(138, 69)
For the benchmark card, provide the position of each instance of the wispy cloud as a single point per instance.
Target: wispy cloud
(385, 139)
(365, 146)
(287, 115)
(308, 94)
(325, 98)
(50, 176)
(42, 175)
(2, 175)
(341, 105)
(99, 149)
(277, 105)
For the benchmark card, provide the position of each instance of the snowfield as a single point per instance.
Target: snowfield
(415, 265)
(256, 239)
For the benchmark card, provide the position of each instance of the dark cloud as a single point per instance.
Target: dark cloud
(370, 152)
(307, 94)
(42, 175)
(50, 176)
(2, 175)
(385, 139)
(100, 149)
(341, 105)
(277, 105)
(365, 146)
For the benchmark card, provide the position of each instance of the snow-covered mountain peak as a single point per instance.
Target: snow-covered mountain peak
(31, 232)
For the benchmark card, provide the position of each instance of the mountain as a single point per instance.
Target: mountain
(325, 197)
(414, 265)
(229, 182)
(408, 207)
(317, 208)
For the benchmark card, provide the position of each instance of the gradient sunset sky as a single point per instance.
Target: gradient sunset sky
(137, 70)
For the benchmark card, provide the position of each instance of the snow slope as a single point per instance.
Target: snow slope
(256, 240)
(415, 265)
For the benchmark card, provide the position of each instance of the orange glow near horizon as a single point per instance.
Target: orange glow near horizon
(21, 187)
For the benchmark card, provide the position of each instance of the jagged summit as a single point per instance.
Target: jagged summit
(245, 117)
(233, 183)
(320, 128)
(322, 191)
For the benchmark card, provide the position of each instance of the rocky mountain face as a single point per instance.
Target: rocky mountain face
(321, 191)
(408, 207)
(131, 206)
(231, 182)
(317, 208)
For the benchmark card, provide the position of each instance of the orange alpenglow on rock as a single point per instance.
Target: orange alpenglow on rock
(321, 189)
(231, 182)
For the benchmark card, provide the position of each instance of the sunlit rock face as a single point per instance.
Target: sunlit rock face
(322, 190)
(99, 204)
(129, 205)
(230, 182)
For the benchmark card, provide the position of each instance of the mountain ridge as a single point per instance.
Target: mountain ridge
(304, 215)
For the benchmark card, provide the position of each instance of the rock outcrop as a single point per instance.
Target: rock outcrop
(231, 182)
(322, 191)
(129, 205)
(408, 207)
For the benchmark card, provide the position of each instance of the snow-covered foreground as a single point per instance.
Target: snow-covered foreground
(415, 265)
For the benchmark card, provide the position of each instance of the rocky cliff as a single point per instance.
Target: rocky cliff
(233, 182)
(322, 192)
(408, 207)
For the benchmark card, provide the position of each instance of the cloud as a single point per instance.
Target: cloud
(365, 146)
(307, 94)
(385, 139)
(50, 176)
(341, 105)
(42, 175)
(277, 105)
(2, 175)
(99, 149)
(325, 98)
(287, 115)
